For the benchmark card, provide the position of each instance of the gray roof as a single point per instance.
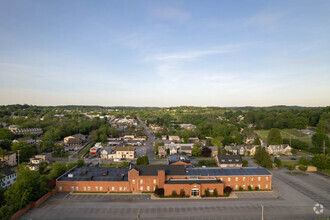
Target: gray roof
(185, 147)
(229, 159)
(6, 172)
(96, 174)
(178, 157)
(192, 181)
(152, 170)
(229, 171)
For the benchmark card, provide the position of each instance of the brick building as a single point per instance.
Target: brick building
(145, 178)
(228, 160)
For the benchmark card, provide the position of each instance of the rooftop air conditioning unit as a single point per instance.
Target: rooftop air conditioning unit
(70, 175)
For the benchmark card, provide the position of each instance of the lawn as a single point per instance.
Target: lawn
(290, 162)
(326, 171)
(285, 133)
(82, 153)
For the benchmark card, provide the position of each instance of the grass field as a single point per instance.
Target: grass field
(285, 133)
(290, 162)
(82, 153)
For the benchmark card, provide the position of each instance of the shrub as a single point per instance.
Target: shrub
(207, 192)
(277, 161)
(159, 191)
(250, 188)
(256, 188)
(215, 192)
(174, 194)
(294, 151)
(302, 168)
(240, 188)
(227, 189)
(182, 193)
(304, 161)
(245, 163)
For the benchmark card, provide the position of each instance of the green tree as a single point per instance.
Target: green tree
(182, 193)
(293, 151)
(207, 192)
(196, 151)
(42, 167)
(321, 161)
(80, 163)
(215, 192)
(257, 142)
(277, 161)
(25, 149)
(320, 140)
(6, 134)
(217, 141)
(57, 169)
(274, 137)
(245, 163)
(290, 167)
(304, 161)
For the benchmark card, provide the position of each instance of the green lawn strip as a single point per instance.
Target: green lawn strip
(295, 132)
(325, 171)
(290, 162)
(82, 153)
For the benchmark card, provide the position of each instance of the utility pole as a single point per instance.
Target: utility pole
(18, 157)
(324, 147)
(262, 212)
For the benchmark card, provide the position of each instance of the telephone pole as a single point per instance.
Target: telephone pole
(324, 147)
(18, 157)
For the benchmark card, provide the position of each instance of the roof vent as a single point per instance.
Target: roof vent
(70, 175)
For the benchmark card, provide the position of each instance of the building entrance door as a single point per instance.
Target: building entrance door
(194, 192)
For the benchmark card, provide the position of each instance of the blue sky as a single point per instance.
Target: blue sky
(165, 53)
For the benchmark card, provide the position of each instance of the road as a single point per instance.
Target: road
(293, 197)
(148, 148)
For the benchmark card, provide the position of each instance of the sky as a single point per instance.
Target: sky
(165, 53)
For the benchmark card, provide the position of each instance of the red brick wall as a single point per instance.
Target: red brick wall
(169, 188)
(240, 182)
(66, 186)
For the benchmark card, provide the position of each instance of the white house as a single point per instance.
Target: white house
(174, 138)
(279, 149)
(9, 177)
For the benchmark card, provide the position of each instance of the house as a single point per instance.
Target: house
(241, 150)
(251, 149)
(94, 150)
(232, 149)
(187, 126)
(164, 137)
(174, 139)
(8, 160)
(12, 127)
(105, 153)
(145, 178)
(35, 131)
(45, 157)
(279, 149)
(173, 150)
(187, 149)
(229, 160)
(161, 151)
(214, 151)
(193, 140)
(75, 139)
(124, 153)
(128, 137)
(240, 118)
(249, 139)
(28, 140)
(9, 177)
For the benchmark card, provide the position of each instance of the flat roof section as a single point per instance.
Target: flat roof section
(199, 181)
(96, 174)
(227, 171)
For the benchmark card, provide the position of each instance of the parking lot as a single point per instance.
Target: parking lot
(293, 197)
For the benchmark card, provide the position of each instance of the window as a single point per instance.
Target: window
(266, 178)
(77, 188)
(154, 181)
(84, 188)
(266, 186)
(228, 179)
(221, 179)
(96, 188)
(236, 178)
(258, 178)
(251, 178)
(89, 188)
(154, 187)
(243, 186)
(148, 188)
(259, 186)
(125, 188)
(113, 188)
(72, 188)
(141, 188)
(101, 188)
(133, 181)
(252, 186)
(243, 178)
(141, 181)
(120, 188)
(236, 187)
(59, 187)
